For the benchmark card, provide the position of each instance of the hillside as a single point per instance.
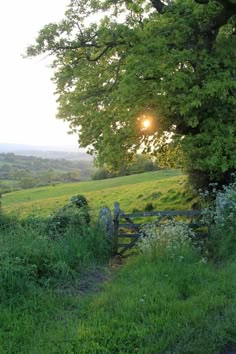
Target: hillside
(20, 171)
(164, 189)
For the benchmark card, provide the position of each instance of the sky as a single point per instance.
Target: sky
(27, 104)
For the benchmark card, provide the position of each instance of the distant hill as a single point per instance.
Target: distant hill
(27, 171)
(48, 152)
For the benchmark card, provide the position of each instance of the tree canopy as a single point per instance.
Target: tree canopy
(118, 63)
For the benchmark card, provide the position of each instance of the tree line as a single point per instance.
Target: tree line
(140, 164)
(18, 171)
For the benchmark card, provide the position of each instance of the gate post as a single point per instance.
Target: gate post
(116, 227)
(105, 219)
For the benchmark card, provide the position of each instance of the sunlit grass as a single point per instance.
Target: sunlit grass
(164, 189)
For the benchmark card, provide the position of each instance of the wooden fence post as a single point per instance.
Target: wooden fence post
(105, 219)
(116, 227)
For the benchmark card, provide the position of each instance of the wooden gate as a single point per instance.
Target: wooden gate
(126, 229)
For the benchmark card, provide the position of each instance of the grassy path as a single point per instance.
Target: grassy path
(144, 307)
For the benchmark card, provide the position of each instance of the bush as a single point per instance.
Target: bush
(171, 240)
(149, 207)
(64, 219)
(80, 201)
(73, 215)
(221, 218)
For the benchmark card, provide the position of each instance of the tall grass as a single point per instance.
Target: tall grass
(37, 260)
(150, 306)
(31, 256)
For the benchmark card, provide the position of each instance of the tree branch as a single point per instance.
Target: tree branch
(229, 4)
(77, 46)
(227, 11)
(159, 6)
(202, 1)
(99, 55)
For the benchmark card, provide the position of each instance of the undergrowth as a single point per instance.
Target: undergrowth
(42, 252)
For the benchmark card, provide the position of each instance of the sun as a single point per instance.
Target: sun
(146, 123)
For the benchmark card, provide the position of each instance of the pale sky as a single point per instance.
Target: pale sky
(28, 105)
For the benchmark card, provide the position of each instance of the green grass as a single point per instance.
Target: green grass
(161, 307)
(152, 304)
(165, 189)
(148, 307)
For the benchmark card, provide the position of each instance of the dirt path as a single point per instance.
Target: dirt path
(90, 281)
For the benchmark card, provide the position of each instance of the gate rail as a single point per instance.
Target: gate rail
(128, 229)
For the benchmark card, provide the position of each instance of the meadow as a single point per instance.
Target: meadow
(61, 292)
(165, 189)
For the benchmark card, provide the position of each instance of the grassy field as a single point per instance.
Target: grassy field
(164, 189)
(61, 292)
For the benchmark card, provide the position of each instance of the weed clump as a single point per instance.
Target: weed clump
(220, 215)
(171, 240)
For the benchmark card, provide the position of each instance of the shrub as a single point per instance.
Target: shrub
(75, 214)
(171, 240)
(149, 207)
(64, 219)
(221, 218)
(81, 203)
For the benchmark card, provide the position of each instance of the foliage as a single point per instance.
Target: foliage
(65, 218)
(79, 201)
(221, 218)
(171, 240)
(102, 173)
(74, 214)
(171, 62)
(139, 164)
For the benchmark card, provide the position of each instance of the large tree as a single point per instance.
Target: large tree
(118, 62)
